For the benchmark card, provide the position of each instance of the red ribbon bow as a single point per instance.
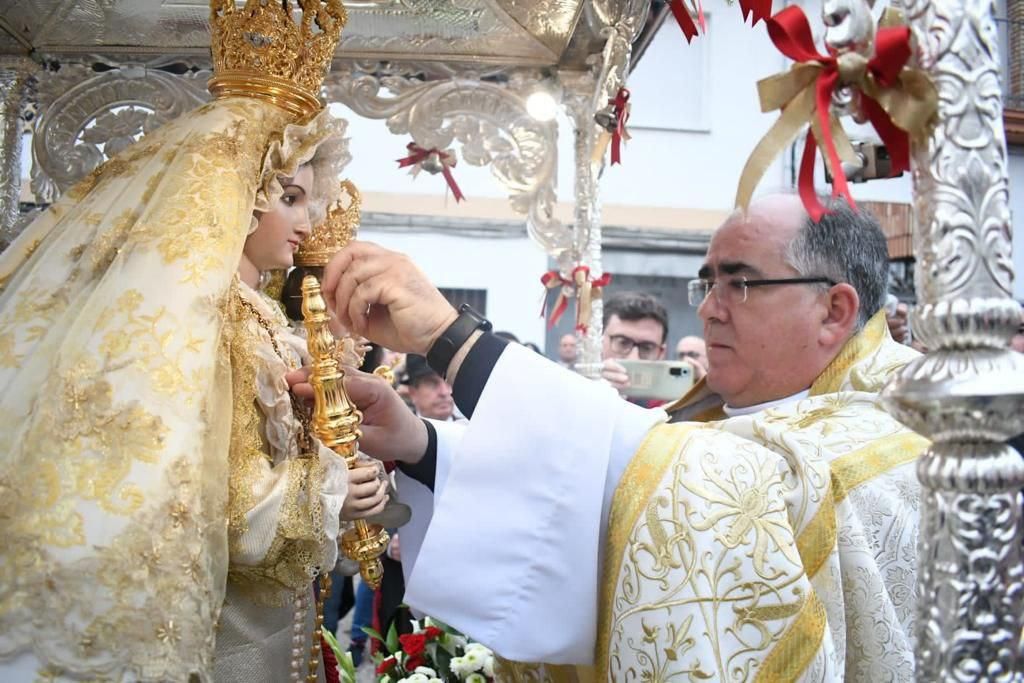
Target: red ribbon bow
(791, 33)
(417, 155)
(586, 288)
(621, 111)
(685, 21)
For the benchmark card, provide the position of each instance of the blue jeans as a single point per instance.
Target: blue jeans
(337, 603)
(363, 614)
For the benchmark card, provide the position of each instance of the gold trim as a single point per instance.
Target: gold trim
(864, 464)
(294, 99)
(710, 415)
(815, 542)
(857, 348)
(522, 672)
(849, 471)
(643, 474)
(798, 645)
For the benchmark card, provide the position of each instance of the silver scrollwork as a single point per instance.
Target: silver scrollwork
(85, 117)
(15, 75)
(489, 121)
(967, 394)
(585, 96)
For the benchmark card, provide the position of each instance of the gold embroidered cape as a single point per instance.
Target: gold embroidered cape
(778, 546)
(116, 408)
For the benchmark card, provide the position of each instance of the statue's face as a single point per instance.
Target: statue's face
(280, 231)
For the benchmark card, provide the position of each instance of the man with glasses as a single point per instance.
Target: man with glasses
(767, 544)
(635, 328)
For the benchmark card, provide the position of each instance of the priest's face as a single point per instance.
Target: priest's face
(762, 341)
(273, 244)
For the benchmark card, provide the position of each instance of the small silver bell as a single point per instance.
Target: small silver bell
(432, 164)
(606, 119)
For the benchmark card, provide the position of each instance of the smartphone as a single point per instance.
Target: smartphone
(664, 380)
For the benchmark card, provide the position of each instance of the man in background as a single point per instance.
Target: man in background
(430, 395)
(635, 328)
(567, 351)
(695, 352)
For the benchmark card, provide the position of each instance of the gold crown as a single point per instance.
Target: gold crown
(259, 51)
(338, 229)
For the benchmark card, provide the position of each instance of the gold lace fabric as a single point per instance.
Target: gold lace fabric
(115, 400)
(296, 552)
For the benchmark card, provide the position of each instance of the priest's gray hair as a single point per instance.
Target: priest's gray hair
(845, 246)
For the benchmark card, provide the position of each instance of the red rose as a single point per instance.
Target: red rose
(386, 665)
(432, 632)
(413, 662)
(413, 643)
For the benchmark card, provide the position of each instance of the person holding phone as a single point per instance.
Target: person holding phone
(635, 328)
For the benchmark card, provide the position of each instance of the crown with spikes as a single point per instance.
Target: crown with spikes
(260, 51)
(338, 229)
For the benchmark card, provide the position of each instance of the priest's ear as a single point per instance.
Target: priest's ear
(842, 308)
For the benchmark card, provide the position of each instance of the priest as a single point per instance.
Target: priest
(761, 528)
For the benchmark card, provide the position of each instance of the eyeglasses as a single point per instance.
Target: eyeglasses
(622, 345)
(733, 290)
(689, 354)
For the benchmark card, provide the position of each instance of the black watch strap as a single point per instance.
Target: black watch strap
(440, 355)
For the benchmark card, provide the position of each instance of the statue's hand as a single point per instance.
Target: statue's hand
(383, 296)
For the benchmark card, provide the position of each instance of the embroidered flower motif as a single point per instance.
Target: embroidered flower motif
(740, 495)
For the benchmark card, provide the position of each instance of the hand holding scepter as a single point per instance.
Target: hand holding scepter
(336, 423)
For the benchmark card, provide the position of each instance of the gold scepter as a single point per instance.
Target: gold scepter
(336, 423)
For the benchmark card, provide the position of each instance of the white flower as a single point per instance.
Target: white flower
(460, 667)
(416, 678)
(474, 659)
(475, 678)
(426, 671)
(489, 666)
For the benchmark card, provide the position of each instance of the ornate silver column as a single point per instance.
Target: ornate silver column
(578, 97)
(585, 95)
(15, 73)
(966, 394)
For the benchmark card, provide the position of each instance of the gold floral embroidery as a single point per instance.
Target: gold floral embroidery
(113, 526)
(110, 169)
(747, 496)
(119, 614)
(154, 341)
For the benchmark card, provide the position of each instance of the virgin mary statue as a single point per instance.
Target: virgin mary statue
(163, 509)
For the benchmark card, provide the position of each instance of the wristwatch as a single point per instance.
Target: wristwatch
(451, 340)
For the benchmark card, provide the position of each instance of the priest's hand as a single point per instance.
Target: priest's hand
(383, 296)
(390, 430)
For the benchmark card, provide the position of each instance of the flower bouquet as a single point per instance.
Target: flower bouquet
(432, 653)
